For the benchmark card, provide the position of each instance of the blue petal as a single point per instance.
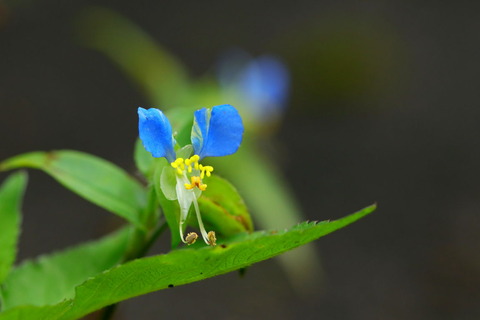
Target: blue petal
(265, 84)
(217, 132)
(156, 133)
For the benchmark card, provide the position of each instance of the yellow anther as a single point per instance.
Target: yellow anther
(179, 165)
(212, 239)
(208, 170)
(205, 170)
(195, 182)
(191, 238)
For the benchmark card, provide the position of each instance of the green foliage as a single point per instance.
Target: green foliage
(11, 194)
(166, 82)
(93, 178)
(52, 278)
(143, 159)
(223, 209)
(179, 267)
(71, 284)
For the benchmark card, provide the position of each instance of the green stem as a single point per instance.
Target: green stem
(161, 228)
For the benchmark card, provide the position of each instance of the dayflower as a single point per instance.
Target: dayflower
(216, 132)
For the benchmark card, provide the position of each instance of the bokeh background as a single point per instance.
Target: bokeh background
(384, 107)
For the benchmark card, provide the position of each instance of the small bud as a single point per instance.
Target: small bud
(191, 238)
(212, 240)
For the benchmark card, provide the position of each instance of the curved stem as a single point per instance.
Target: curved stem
(200, 222)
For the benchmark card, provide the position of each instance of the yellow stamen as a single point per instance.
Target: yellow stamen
(205, 170)
(208, 170)
(179, 165)
(212, 240)
(195, 181)
(191, 238)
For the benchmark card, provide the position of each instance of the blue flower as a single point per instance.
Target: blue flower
(262, 84)
(216, 132)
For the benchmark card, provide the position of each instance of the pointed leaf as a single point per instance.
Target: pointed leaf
(11, 194)
(181, 267)
(52, 278)
(93, 178)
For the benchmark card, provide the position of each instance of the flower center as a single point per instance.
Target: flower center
(196, 171)
(195, 182)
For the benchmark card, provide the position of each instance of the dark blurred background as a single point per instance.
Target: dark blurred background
(384, 103)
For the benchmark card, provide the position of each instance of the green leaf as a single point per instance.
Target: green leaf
(52, 278)
(223, 209)
(275, 209)
(11, 194)
(93, 178)
(180, 267)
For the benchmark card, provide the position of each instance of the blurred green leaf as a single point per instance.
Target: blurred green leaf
(222, 208)
(275, 208)
(161, 76)
(11, 194)
(53, 278)
(180, 267)
(93, 178)
(143, 159)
